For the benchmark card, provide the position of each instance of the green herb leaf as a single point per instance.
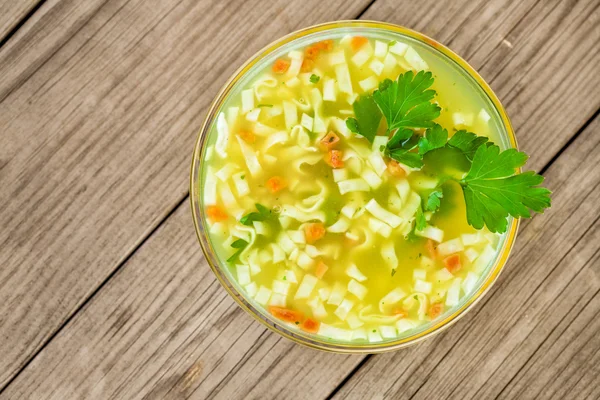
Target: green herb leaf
(434, 138)
(467, 142)
(433, 200)
(493, 191)
(406, 101)
(420, 221)
(368, 117)
(399, 138)
(314, 78)
(239, 244)
(262, 214)
(413, 160)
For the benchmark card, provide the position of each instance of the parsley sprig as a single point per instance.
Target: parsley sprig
(492, 189)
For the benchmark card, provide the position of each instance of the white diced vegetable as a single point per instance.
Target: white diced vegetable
(224, 173)
(381, 49)
(337, 294)
(274, 111)
(261, 228)
(399, 48)
(453, 294)
(241, 184)
(210, 188)
(363, 55)
(329, 89)
(285, 243)
(471, 239)
(227, 196)
(368, 84)
(293, 82)
(379, 227)
(357, 289)
(243, 274)
(450, 247)
(263, 295)
(422, 286)
(312, 251)
(304, 261)
(278, 300)
(359, 334)
(483, 116)
(306, 121)
(485, 258)
(353, 321)
(250, 157)
(290, 276)
(343, 309)
(222, 136)
(426, 262)
(353, 185)
(377, 162)
(443, 275)
(404, 325)
(391, 298)
(374, 336)
(353, 272)
(253, 115)
(462, 119)
(251, 289)
(352, 236)
(389, 62)
(290, 113)
(340, 226)
(344, 81)
(471, 254)
(348, 210)
(324, 293)
(431, 232)
(415, 60)
(264, 258)
(419, 274)
(317, 307)
(335, 333)
(470, 282)
(278, 253)
(247, 100)
(493, 238)
(376, 66)
(337, 57)
(306, 286)
(389, 254)
(379, 212)
(388, 332)
(340, 174)
(297, 236)
(281, 287)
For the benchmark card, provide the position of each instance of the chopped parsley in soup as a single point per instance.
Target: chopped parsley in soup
(354, 191)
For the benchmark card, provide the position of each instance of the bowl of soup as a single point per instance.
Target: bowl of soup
(342, 241)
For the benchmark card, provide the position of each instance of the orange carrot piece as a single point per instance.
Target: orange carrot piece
(330, 140)
(326, 45)
(357, 42)
(310, 325)
(285, 314)
(314, 232)
(248, 136)
(281, 66)
(398, 311)
(452, 263)
(395, 169)
(307, 65)
(276, 184)
(321, 269)
(216, 213)
(430, 246)
(334, 159)
(312, 52)
(435, 310)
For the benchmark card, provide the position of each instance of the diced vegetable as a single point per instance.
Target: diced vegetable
(360, 291)
(353, 272)
(450, 247)
(281, 287)
(278, 300)
(453, 295)
(334, 159)
(374, 336)
(317, 308)
(470, 282)
(251, 289)
(431, 232)
(471, 254)
(243, 274)
(337, 294)
(343, 309)
(321, 269)
(310, 325)
(359, 334)
(263, 295)
(388, 332)
(286, 315)
(357, 42)
(314, 232)
(281, 66)
(435, 310)
(216, 213)
(419, 274)
(381, 49)
(414, 59)
(335, 333)
(306, 286)
(452, 263)
(390, 299)
(484, 259)
(276, 183)
(422, 286)
(404, 325)
(443, 275)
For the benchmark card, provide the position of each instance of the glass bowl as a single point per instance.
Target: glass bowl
(266, 56)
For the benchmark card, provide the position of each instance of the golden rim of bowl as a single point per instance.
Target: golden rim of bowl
(295, 335)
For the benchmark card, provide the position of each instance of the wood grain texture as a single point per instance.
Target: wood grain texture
(545, 302)
(12, 12)
(163, 328)
(100, 103)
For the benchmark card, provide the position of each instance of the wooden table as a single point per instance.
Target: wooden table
(104, 292)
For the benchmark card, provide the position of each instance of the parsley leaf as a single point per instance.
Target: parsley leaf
(314, 78)
(467, 142)
(367, 118)
(434, 138)
(399, 138)
(493, 191)
(420, 221)
(405, 102)
(412, 160)
(262, 214)
(239, 244)
(433, 201)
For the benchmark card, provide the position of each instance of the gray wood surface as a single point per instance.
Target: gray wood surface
(12, 12)
(98, 115)
(100, 104)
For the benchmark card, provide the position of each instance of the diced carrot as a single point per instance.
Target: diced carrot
(307, 65)
(248, 136)
(310, 325)
(357, 42)
(326, 45)
(452, 263)
(401, 312)
(334, 159)
(216, 213)
(330, 140)
(430, 246)
(395, 169)
(281, 66)
(286, 314)
(314, 231)
(276, 184)
(311, 52)
(321, 269)
(435, 310)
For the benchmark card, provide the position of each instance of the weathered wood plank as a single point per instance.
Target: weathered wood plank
(178, 332)
(12, 12)
(100, 102)
(549, 285)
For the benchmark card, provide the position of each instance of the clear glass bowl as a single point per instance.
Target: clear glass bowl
(243, 76)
